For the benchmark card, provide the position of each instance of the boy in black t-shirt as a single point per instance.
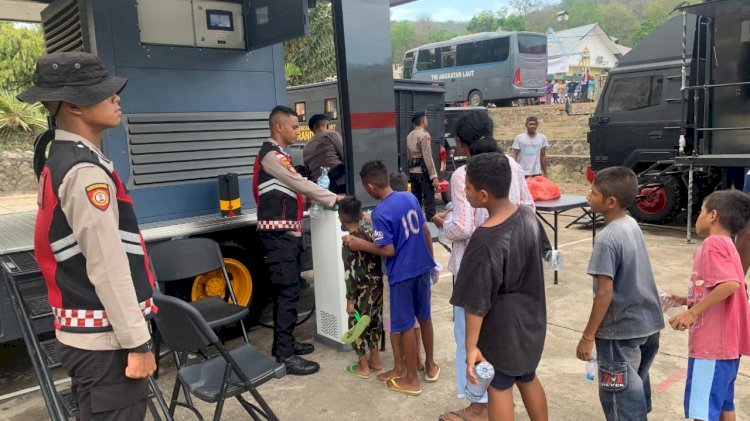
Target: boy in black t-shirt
(501, 287)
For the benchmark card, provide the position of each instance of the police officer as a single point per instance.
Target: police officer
(279, 193)
(88, 244)
(422, 173)
(325, 149)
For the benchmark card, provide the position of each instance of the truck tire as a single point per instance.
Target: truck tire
(659, 202)
(261, 287)
(475, 98)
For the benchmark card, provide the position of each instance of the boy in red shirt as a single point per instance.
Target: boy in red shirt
(718, 316)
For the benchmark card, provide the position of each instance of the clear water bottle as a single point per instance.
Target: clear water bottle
(666, 301)
(553, 260)
(591, 368)
(449, 217)
(316, 210)
(485, 373)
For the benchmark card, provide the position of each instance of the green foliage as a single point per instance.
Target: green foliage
(20, 46)
(16, 116)
(403, 37)
(486, 21)
(514, 23)
(312, 58)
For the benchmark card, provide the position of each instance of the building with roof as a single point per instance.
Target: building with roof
(575, 51)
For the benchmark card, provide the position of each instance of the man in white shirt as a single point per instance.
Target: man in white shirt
(529, 149)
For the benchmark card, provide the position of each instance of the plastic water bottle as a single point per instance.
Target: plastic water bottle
(449, 217)
(316, 210)
(485, 373)
(591, 368)
(553, 260)
(667, 302)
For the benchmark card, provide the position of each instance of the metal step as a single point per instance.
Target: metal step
(38, 307)
(50, 352)
(69, 403)
(24, 262)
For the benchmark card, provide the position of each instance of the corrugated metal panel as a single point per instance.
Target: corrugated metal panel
(181, 148)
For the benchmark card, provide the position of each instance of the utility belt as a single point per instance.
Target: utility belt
(418, 163)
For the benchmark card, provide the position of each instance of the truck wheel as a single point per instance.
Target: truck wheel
(660, 202)
(212, 283)
(475, 98)
(246, 275)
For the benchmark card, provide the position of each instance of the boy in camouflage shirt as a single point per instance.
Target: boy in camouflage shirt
(364, 290)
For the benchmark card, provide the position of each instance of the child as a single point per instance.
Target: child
(626, 315)
(500, 285)
(364, 290)
(402, 237)
(717, 315)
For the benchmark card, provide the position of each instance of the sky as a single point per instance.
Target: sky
(443, 10)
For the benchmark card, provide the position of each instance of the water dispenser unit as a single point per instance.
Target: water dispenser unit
(330, 288)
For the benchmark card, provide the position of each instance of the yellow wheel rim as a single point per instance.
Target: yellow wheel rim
(212, 284)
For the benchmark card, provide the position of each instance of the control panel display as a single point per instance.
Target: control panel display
(220, 20)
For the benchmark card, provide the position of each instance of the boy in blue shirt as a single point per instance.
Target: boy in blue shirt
(401, 235)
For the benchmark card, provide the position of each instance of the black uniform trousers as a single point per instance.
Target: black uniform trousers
(421, 186)
(282, 257)
(100, 387)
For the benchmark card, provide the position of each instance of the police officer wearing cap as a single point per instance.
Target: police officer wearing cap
(87, 241)
(422, 173)
(280, 193)
(325, 149)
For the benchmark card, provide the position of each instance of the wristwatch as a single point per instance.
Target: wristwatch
(146, 347)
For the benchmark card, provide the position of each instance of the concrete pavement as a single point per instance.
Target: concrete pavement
(334, 395)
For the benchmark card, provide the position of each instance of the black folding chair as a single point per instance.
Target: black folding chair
(186, 258)
(228, 374)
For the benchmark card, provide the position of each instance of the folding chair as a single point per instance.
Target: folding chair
(228, 374)
(186, 258)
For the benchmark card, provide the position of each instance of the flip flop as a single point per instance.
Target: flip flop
(461, 417)
(393, 386)
(429, 379)
(350, 369)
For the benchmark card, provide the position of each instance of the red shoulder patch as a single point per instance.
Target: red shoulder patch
(98, 194)
(287, 163)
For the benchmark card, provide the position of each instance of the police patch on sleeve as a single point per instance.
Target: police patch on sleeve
(286, 162)
(98, 194)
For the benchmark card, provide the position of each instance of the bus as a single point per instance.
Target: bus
(482, 68)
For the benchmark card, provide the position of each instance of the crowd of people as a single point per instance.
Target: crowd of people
(91, 255)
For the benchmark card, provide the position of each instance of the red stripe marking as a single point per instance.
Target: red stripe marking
(670, 381)
(362, 121)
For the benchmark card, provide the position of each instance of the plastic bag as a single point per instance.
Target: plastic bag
(542, 188)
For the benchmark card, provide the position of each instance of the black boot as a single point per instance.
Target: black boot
(298, 366)
(300, 348)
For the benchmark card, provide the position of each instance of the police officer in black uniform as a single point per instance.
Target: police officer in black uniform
(88, 244)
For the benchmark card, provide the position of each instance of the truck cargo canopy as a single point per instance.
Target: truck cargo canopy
(663, 45)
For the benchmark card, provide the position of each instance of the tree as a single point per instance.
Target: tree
(486, 21)
(403, 37)
(524, 7)
(618, 20)
(441, 35)
(514, 23)
(20, 46)
(313, 55)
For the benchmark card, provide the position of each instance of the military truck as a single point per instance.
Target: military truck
(676, 110)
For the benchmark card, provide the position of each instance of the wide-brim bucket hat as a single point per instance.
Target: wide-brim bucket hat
(75, 77)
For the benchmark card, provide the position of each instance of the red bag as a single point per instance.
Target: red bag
(542, 188)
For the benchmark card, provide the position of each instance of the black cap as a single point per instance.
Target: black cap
(315, 119)
(417, 115)
(75, 77)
